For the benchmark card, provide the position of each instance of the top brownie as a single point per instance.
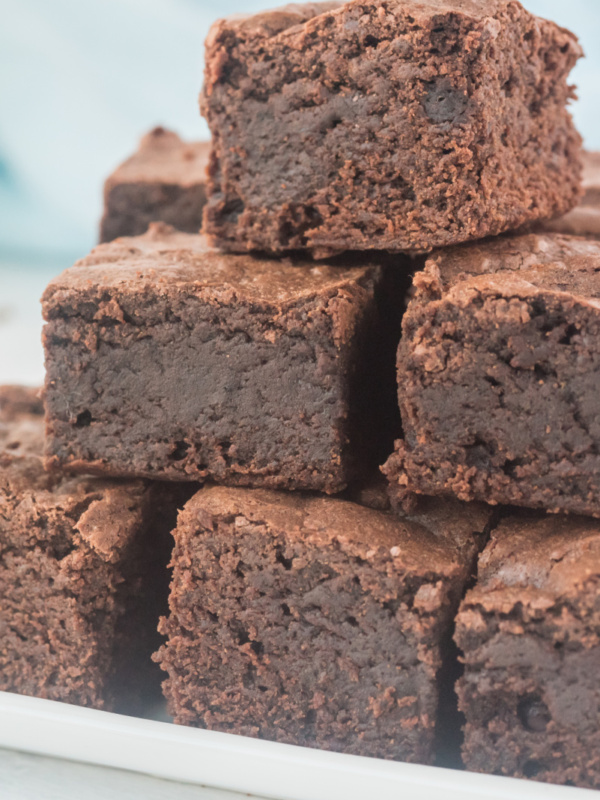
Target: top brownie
(398, 126)
(168, 359)
(499, 375)
(164, 181)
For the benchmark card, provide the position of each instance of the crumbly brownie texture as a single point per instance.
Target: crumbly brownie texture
(170, 360)
(530, 634)
(78, 573)
(314, 621)
(499, 376)
(398, 125)
(165, 180)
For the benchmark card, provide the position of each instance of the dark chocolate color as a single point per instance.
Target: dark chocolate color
(315, 621)
(170, 360)
(82, 574)
(397, 126)
(499, 375)
(530, 634)
(164, 181)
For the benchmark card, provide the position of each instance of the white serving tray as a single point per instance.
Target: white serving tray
(219, 760)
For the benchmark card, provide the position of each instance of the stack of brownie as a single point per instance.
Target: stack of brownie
(251, 377)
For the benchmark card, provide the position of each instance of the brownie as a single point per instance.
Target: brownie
(499, 375)
(591, 178)
(83, 574)
(165, 180)
(170, 360)
(398, 126)
(530, 634)
(582, 221)
(585, 219)
(315, 621)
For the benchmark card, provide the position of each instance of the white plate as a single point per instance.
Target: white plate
(239, 764)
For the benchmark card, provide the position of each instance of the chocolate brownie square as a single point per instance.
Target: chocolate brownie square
(530, 634)
(397, 126)
(83, 574)
(315, 621)
(582, 221)
(591, 178)
(170, 360)
(499, 375)
(164, 181)
(585, 219)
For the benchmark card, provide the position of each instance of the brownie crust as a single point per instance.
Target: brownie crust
(530, 634)
(314, 621)
(400, 126)
(164, 181)
(167, 359)
(499, 373)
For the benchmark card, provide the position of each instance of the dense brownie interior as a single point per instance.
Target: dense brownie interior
(167, 359)
(499, 375)
(313, 620)
(530, 633)
(82, 563)
(397, 126)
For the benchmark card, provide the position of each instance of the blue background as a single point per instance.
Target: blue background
(81, 80)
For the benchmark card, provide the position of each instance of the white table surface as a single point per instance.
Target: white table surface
(28, 777)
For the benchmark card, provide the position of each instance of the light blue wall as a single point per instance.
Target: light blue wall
(582, 17)
(80, 80)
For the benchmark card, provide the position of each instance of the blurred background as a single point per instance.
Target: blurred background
(80, 82)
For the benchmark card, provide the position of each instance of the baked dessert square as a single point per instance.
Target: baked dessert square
(530, 634)
(315, 621)
(591, 178)
(167, 359)
(164, 181)
(83, 574)
(584, 220)
(499, 375)
(396, 126)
